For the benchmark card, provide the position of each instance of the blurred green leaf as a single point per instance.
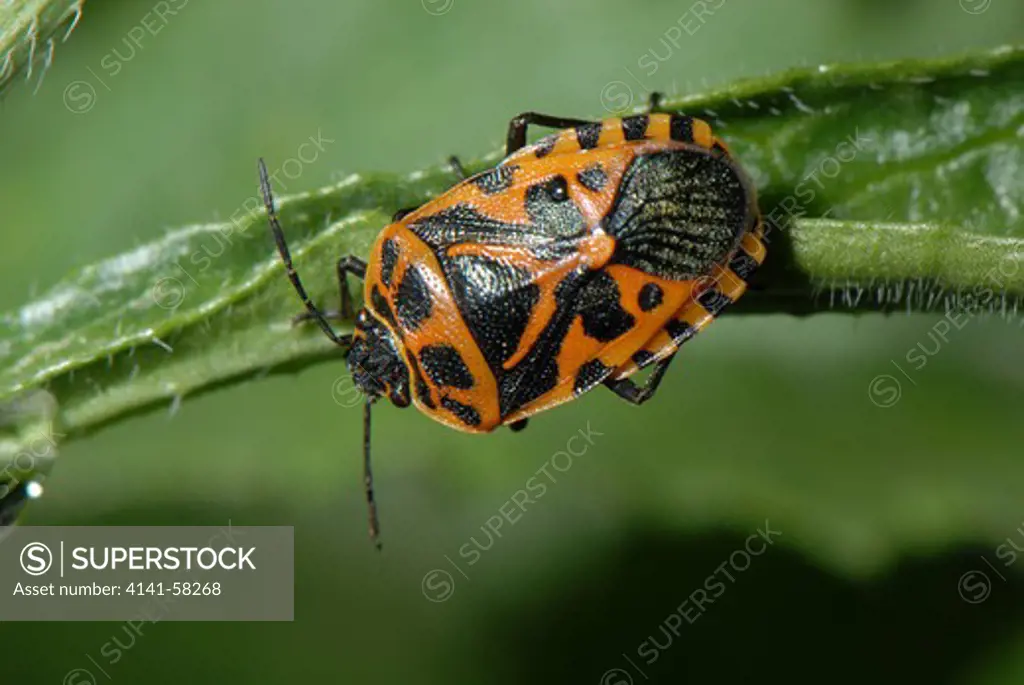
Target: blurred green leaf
(838, 154)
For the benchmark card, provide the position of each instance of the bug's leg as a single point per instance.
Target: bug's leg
(517, 127)
(636, 394)
(519, 425)
(282, 247)
(371, 503)
(346, 265)
(456, 166)
(349, 265)
(654, 101)
(460, 175)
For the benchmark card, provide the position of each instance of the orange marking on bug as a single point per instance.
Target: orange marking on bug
(508, 206)
(611, 133)
(715, 140)
(659, 127)
(578, 348)
(547, 305)
(658, 342)
(754, 247)
(675, 294)
(597, 249)
(443, 326)
(702, 134)
(659, 347)
(729, 283)
(695, 315)
(566, 142)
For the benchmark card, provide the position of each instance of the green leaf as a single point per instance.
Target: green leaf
(890, 185)
(29, 33)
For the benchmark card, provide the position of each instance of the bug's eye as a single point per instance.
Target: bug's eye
(558, 189)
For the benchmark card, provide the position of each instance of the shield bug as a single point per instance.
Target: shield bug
(575, 262)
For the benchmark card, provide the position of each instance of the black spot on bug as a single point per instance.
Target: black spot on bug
(388, 260)
(495, 300)
(519, 425)
(538, 373)
(423, 393)
(650, 296)
(593, 178)
(531, 378)
(496, 180)
(642, 358)
(422, 389)
(598, 305)
(589, 375)
(743, 264)
(680, 128)
(635, 127)
(381, 307)
(557, 189)
(465, 413)
(550, 208)
(587, 135)
(545, 145)
(445, 366)
(413, 299)
(714, 301)
(681, 331)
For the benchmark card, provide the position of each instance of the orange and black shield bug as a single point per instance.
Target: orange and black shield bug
(575, 262)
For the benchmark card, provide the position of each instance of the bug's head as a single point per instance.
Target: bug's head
(375, 363)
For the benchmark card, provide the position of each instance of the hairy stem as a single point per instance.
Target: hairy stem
(29, 33)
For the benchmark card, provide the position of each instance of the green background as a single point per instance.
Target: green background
(881, 509)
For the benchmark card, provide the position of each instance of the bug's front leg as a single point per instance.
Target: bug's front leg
(347, 265)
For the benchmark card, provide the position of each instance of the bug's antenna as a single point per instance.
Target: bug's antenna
(371, 504)
(286, 257)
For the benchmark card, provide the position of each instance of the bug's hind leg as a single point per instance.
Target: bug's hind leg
(517, 127)
(349, 264)
(638, 394)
